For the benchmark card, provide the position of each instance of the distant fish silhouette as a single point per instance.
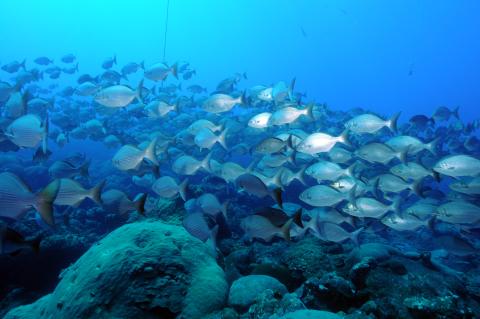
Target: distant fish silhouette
(411, 69)
(303, 32)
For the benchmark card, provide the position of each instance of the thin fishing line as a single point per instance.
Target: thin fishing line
(166, 29)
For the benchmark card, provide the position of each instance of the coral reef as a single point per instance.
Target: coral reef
(141, 270)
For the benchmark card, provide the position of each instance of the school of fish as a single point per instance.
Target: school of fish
(301, 168)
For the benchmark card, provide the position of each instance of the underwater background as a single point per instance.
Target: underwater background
(239, 159)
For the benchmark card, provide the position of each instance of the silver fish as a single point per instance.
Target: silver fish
(167, 187)
(16, 198)
(28, 131)
(370, 123)
(116, 201)
(130, 157)
(320, 143)
(187, 165)
(220, 103)
(323, 196)
(71, 193)
(118, 95)
(458, 212)
(458, 166)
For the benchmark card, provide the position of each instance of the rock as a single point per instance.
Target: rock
(290, 279)
(269, 303)
(245, 289)
(330, 292)
(396, 267)
(237, 264)
(307, 257)
(374, 251)
(437, 307)
(359, 272)
(311, 314)
(370, 307)
(141, 270)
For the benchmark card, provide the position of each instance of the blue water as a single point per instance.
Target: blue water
(354, 54)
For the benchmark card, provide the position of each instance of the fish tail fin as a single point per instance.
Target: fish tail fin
(45, 199)
(206, 162)
(403, 155)
(156, 171)
(291, 158)
(243, 98)
(276, 194)
(140, 204)
(115, 59)
(349, 171)
(343, 138)
(352, 195)
(416, 187)
(277, 178)
(96, 192)
(22, 65)
(221, 139)
(300, 175)
(84, 169)
(76, 67)
(294, 156)
(224, 208)
(291, 87)
(312, 224)
(182, 189)
(354, 235)
(142, 65)
(138, 93)
(455, 112)
(150, 152)
(392, 122)
(432, 146)
(436, 176)
(285, 230)
(176, 107)
(174, 70)
(395, 206)
(351, 221)
(309, 111)
(297, 217)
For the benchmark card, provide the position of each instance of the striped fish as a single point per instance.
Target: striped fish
(16, 198)
(130, 157)
(71, 193)
(28, 131)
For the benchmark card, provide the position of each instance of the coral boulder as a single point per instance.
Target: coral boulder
(141, 270)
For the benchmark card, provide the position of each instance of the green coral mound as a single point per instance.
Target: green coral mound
(140, 270)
